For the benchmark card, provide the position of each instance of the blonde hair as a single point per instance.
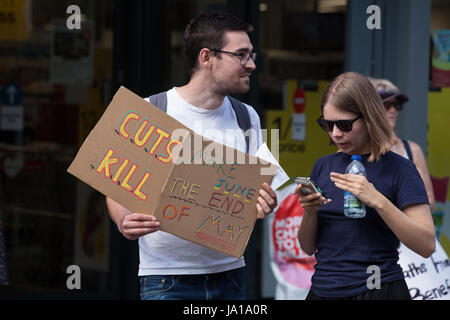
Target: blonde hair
(383, 84)
(353, 92)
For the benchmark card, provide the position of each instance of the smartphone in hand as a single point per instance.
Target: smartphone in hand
(309, 187)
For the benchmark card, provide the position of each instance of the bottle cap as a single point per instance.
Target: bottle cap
(356, 157)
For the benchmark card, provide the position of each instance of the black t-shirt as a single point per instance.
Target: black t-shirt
(348, 246)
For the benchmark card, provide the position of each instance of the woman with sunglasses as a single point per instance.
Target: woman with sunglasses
(357, 258)
(393, 102)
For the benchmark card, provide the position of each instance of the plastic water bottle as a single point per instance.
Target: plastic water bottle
(353, 207)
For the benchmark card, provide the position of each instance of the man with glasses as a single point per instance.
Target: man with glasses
(244, 57)
(220, 58)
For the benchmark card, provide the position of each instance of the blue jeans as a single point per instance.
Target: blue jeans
(228, 285)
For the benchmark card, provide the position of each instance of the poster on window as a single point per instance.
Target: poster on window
(427, 278)
(15, 20)
(291, 267)
(71, 53)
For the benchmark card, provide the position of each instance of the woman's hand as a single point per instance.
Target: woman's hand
(311, 202)
(359, 186)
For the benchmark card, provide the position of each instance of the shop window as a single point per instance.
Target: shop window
(301, 40)
(55, 84)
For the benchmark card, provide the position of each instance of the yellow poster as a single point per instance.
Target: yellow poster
(15, 20)
(438, 161)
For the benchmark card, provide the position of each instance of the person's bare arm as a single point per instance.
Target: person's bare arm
(421, 165)
(308, 227)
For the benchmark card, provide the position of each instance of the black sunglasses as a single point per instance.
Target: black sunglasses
(343, 125)
(389, 104)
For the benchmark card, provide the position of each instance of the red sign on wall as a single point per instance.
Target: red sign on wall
(299, 100)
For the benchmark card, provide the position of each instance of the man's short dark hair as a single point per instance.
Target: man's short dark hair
(207, 31)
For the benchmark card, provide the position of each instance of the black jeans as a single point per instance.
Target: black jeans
(396, 290)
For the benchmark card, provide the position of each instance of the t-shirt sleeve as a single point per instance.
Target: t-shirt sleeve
(410, 187)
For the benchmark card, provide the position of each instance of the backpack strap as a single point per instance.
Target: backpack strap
(408, 149)
(159, 100)
(243, 118)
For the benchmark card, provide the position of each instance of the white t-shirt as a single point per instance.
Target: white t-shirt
(161, 253)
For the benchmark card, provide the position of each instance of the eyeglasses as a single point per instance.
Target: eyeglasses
(243, 56)
(343, 125)
(389, 104)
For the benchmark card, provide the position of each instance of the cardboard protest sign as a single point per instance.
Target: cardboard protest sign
(150, 163)
(216, 203)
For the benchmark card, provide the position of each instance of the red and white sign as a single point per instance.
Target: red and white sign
(299, 100)
(293, 265)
